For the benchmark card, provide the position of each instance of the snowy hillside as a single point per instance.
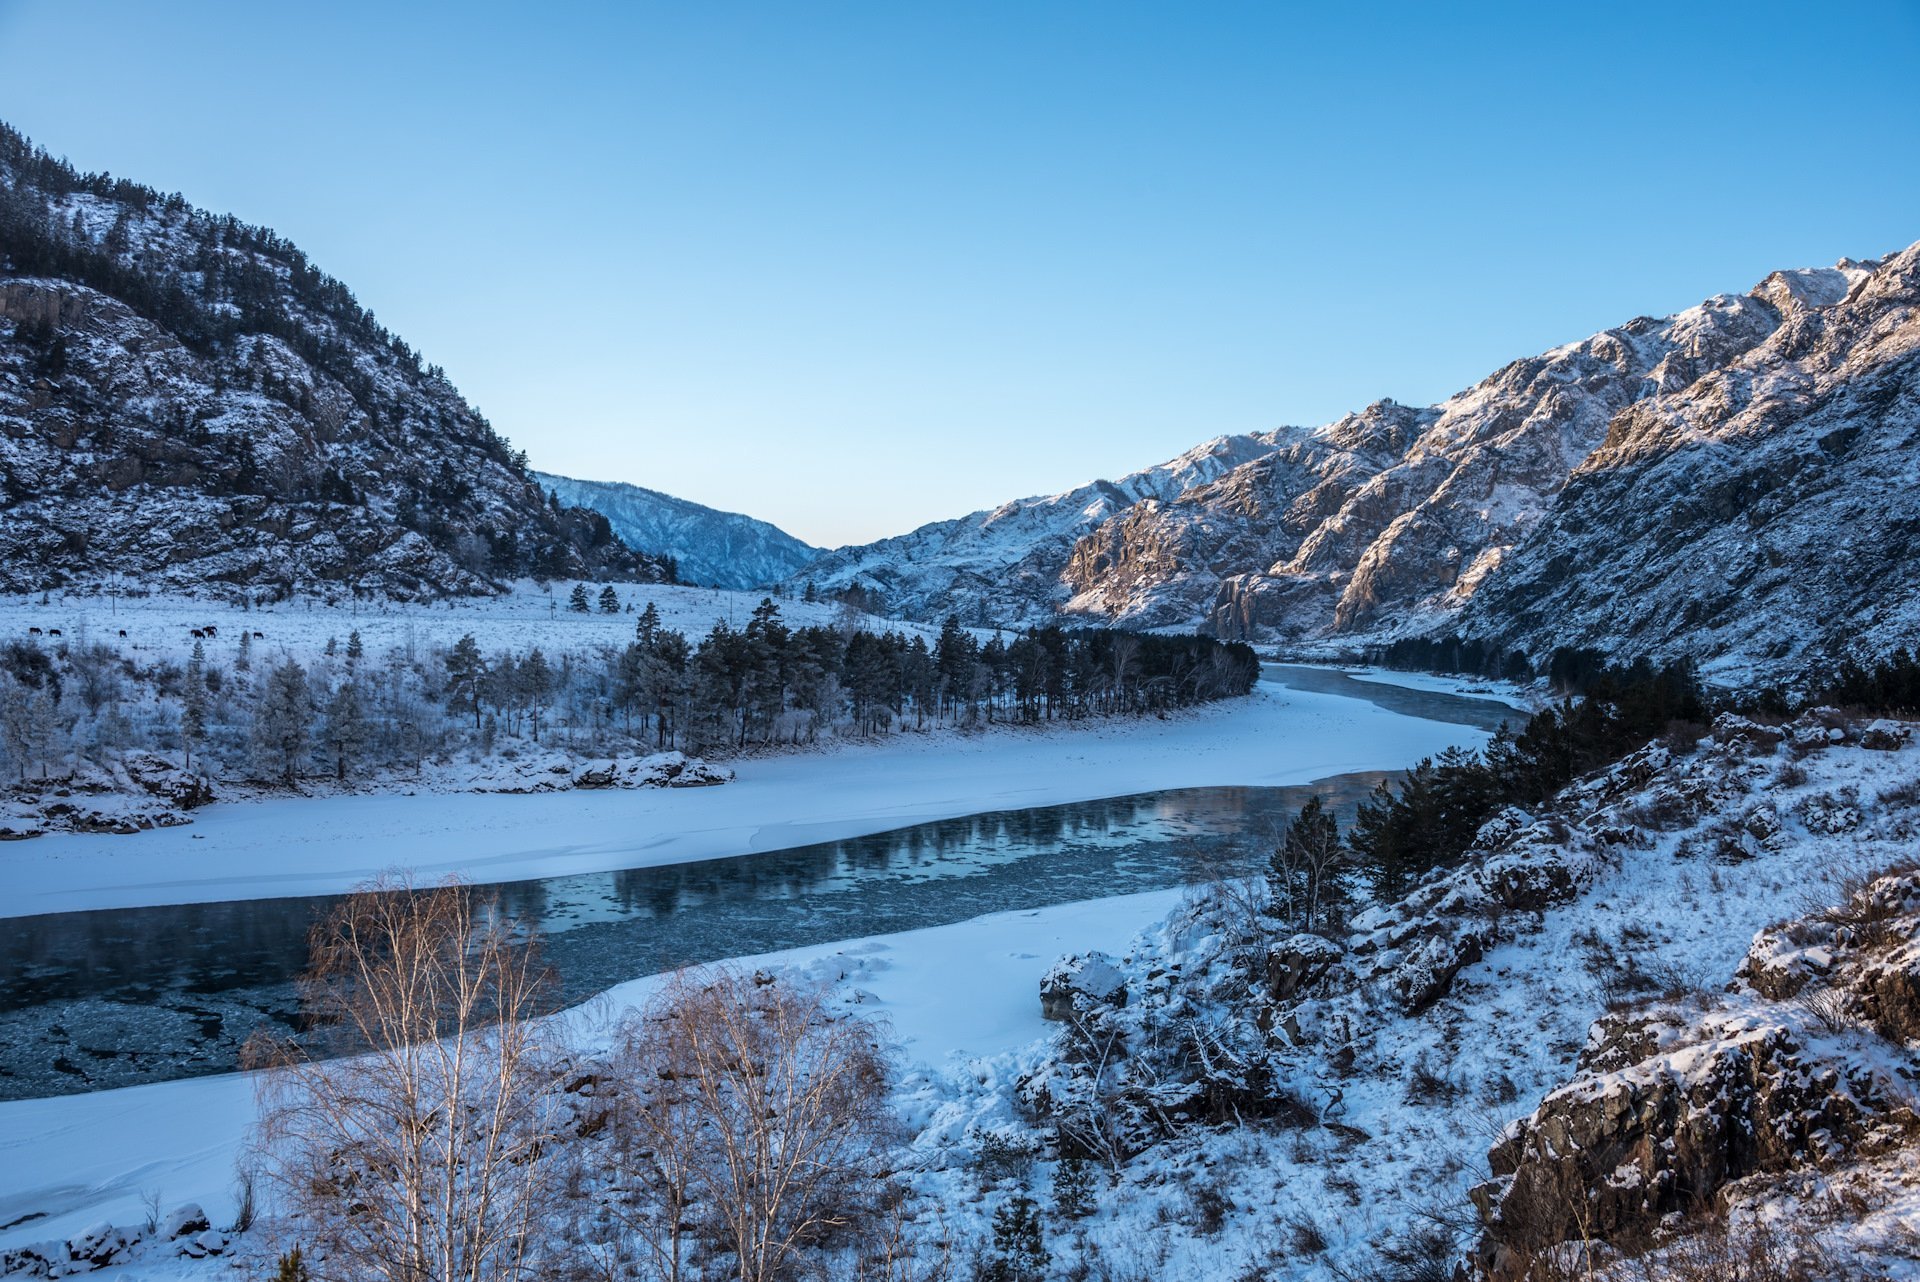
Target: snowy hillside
(187, 403)
(708, 547)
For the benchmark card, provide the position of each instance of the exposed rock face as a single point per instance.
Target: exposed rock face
(185, 402)
(1678, 1102)
(1081, 982)
(1766, 509)
(710, 548)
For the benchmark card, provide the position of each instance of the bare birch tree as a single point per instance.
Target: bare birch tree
(423, 1151)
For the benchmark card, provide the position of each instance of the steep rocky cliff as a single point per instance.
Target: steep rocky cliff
(1767, 513)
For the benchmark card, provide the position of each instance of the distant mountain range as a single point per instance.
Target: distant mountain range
(709, 547)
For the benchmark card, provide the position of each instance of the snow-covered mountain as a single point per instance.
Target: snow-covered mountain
(187, 402)
(709, 547)
(1765, 515)
(1004, 566)
(1734, 477)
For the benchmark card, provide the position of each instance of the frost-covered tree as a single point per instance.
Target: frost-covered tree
(283, 721)
(577, 602)
(609, 600)
(534, 682)
(344, 728)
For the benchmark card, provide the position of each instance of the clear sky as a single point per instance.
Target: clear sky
(853, 267)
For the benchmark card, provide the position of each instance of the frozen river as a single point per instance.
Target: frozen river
(123, 995)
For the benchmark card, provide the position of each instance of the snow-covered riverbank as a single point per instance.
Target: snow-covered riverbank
(967, 989)
(286, 847)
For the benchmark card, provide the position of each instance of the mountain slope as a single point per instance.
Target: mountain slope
(1766, 515)
(1004, 566)
(709, 547)
(185, 401)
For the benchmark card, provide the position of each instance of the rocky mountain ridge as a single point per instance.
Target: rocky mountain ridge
(1003, 566)
(1526, 511)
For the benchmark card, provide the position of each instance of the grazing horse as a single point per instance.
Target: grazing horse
(53, 632)
(197, 634)
(33, 632)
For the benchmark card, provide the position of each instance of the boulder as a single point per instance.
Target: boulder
(1608, 1156)
(1093, 978)
(184, 1220)
(1886, 736)
(1298, 963)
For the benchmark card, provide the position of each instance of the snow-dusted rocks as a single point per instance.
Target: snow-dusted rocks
(1081, 982)
(185, 1220)
(133, 793)
(1806, 1064)
(1298, 963)
(184, 1232)
(559, 772)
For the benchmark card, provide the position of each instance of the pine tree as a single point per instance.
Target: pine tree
(578, 601)
(609, 600)
(193, 698)
(291, 1268)
(354, 648)
(283, 720)
(466, 671)
(244, 659)
(648, 625)
(1073, 1189)
(344, 730)
(1019, 1250)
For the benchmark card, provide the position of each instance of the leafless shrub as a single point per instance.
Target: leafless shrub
(1902, 794)
(755, 1124)
(1831, 1008)
(1761, 1253)
(1304, 1234)
(425, 1150)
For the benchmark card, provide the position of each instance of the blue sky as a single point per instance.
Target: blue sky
(854, 267)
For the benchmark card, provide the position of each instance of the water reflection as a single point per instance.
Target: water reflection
(111, 998)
